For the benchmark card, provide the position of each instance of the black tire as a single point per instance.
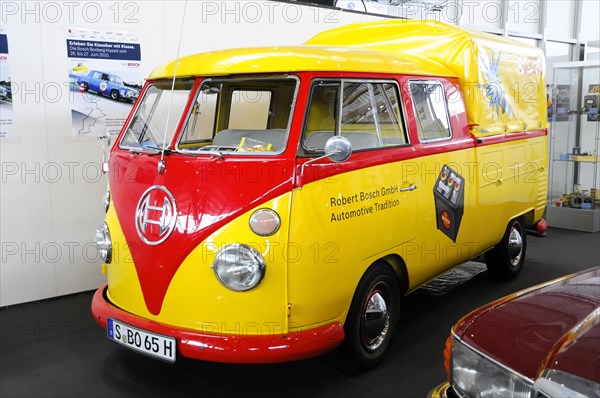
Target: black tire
(85, 86)
(506, 259)
(114, 94)
(369, 331)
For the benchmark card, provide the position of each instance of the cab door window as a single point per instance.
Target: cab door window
(366, 113)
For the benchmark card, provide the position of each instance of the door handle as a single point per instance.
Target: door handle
(411, 187)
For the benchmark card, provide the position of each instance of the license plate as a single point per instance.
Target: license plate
(148, 343)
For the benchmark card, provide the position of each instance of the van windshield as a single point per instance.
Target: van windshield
(158, 113)
(240, 116)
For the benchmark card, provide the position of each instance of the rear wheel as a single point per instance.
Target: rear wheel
(373, 316)
(85, 86)
(506, 259)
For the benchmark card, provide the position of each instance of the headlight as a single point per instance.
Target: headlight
(264, 222)
(239, 267)
(556, 383)
(104, 244)
(477, 376)
(106, 201)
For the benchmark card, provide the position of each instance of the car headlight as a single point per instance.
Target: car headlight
(239, 267)
(477, 376)
(106, 201)
(556, 383)
(104, 244)
(264, 222)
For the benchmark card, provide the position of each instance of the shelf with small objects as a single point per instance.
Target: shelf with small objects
(574, 99)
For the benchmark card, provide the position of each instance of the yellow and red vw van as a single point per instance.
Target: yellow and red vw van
(267, 204)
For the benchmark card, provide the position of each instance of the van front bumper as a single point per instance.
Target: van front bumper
(230, 348)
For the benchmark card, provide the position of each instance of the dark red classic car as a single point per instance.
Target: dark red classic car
(541, 342)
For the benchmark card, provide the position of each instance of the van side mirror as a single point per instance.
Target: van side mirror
(338, 149)
(105, 139)
(105, 142)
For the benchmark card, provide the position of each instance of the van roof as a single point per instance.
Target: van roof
(299, 59)
(503, 80)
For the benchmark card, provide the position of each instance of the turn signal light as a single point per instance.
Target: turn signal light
(447, 353)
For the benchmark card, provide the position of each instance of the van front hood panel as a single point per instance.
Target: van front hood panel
(207, 192)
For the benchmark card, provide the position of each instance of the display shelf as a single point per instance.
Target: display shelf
(578, 161)
(575, 219)
(574, 178)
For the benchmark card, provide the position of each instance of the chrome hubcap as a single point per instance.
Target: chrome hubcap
(515, 246)
(376, 321)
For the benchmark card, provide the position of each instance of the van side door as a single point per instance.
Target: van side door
(446, 168)
(347, 215)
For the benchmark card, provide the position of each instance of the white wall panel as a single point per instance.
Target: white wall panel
(485, 15)
(590, 29)
(26, 209)
(524, 16)
(561, 19)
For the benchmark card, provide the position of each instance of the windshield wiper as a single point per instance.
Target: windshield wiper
(159, 150)
(168, 151)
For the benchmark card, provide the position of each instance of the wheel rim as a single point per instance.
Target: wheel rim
(515, 245)
(114, 95)
(375, 320)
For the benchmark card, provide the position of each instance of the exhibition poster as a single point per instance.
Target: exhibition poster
(105, 79)
(6, 105)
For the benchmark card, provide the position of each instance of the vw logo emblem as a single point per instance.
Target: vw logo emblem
(155, 215)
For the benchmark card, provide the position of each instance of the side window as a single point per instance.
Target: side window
(431, 112)
(370, 115)
(322, 116)
(387, 105)
(359, 123)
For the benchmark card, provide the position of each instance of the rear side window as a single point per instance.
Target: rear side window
(368, 115)
(431, 112)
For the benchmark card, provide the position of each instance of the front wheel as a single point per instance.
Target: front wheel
(373, 316)
(114, 94)
(506, 259)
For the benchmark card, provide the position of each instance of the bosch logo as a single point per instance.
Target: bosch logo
(445, 219)
(155, 215)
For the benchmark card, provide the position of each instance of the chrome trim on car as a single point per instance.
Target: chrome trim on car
(167, 219)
